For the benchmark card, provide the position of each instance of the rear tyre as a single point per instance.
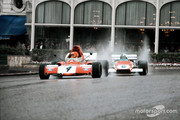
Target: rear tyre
(41, 72)
(96, 70)
(143, 65)
(105, 67)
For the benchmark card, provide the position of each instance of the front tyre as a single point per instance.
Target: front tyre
(41, 72)
(96, 70)
(105, 67)
(143, 65)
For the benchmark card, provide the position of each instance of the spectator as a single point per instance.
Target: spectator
(41, 46)
(166, 50)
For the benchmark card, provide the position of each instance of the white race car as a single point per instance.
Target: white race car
(126, 64)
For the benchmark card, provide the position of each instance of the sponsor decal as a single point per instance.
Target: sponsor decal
(86, 66)
(50, 68)
(123, 66)
(68, 68)
(86, 69)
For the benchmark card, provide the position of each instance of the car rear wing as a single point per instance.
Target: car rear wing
(116, 57)
(87, 56)
(90, 56)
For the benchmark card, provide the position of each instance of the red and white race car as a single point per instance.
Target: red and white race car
(75, 64)
(126, 64)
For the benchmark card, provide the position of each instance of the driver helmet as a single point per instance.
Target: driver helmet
(123, 56)
(74, 55)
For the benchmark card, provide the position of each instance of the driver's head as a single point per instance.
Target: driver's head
(74, 55)
(123, 56)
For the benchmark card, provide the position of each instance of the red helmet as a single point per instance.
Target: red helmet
(74, 55)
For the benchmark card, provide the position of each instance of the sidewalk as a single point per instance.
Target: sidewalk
(19, 71)
(165, 65)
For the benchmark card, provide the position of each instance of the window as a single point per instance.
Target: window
(54, 12)
(18, 3)
(136, 13)
(170, 14)
(93, 12)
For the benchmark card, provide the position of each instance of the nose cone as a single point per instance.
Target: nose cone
(123, 62)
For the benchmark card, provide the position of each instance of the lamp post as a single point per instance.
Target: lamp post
(32, 25)
(157, 28)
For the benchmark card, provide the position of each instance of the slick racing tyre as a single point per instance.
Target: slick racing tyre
(96, 70)
(143, 65)
(41, 72)
(105, 67)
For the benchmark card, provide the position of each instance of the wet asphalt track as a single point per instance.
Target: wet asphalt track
(84, 98)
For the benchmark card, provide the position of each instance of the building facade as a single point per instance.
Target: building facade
(117, 25)
(13, 31)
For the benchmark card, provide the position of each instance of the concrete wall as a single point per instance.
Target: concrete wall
(18, 61)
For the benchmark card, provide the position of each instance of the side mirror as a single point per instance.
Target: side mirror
(91, 53)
